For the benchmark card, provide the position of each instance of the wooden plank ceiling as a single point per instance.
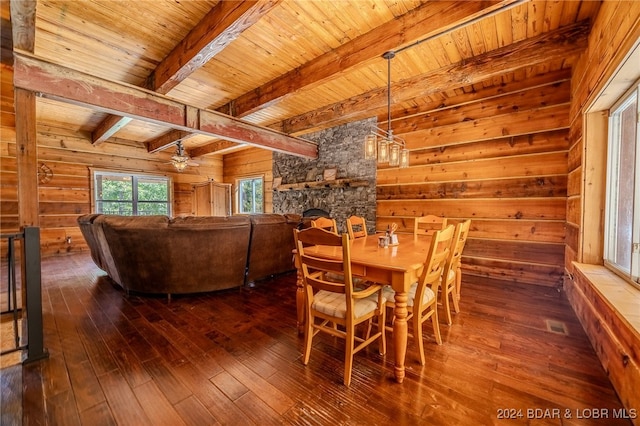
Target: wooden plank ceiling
(292, 66)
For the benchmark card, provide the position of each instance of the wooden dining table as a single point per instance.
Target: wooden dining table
(399, 266)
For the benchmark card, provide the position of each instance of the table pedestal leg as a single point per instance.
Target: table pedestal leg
(400, 334)
(300, 308)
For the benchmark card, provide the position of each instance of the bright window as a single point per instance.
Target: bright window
(251, 195)
(131, 194)
(622, 228)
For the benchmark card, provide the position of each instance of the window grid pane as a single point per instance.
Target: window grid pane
(250, 195)
(129, 195)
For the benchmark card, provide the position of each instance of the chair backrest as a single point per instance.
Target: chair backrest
(356, 227)
(426, 225)
(457, 245)
(435, 262)
(325, 223)
(314, 269)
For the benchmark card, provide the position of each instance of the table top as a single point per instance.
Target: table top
(409, 255)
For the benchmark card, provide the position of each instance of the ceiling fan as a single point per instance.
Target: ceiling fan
(180, 160)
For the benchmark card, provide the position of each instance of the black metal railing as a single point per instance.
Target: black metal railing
(29, 336)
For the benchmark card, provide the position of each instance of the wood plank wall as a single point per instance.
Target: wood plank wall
(497, 155)
(246, 163)
(614, 32)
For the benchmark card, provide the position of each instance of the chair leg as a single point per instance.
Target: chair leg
(417, 335)
(368, 329)
(436, 326)
(308, 338)
(454, 297)
(458, 282)
(382, 328)
(348, 354)
(445, 303)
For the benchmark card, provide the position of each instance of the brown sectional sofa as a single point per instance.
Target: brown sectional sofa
(156, 254)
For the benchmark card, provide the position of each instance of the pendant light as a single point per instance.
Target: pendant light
(381, 144)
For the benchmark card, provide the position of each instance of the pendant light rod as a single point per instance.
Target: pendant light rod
(389, 56)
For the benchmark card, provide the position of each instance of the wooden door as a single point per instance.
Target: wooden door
(201, 200)
(221, 199)
(212, 199)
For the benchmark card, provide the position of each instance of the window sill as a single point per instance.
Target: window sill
(622, 297)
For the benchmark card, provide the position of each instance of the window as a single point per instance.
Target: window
(251, 195)
(622, 227)
(131, 194)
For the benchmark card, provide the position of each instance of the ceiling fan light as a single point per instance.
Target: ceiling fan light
(179, 162)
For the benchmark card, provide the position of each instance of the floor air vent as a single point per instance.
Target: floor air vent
(557, 327)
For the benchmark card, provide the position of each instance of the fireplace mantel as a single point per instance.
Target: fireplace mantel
(338, 183)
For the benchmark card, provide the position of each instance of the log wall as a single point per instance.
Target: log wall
(497, 156)
(616, 342)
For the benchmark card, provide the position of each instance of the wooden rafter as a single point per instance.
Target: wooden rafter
(23, 24)
(223, 24)
(212, 147)
(405, 114)
(67, 85)
(108, 127)
(164, 141)
(562, 43)
(431, 19)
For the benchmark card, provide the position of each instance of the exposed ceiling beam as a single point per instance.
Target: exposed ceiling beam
(428, 20)
(558, 44)
(217, 146)
(170, 138)
(223, 24)
(403, 119)
(71, 86)
(23, 24)
(108, 127)
(220, 26)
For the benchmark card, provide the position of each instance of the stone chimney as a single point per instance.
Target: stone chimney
(309, 184)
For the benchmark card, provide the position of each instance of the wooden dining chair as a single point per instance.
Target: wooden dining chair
(326, 223)
(426, 225)
(336, 308)
(422, 296)
(451, 277)
(356, 227)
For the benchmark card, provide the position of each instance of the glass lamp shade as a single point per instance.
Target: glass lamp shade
(394, 155)
(179, 162)
(383, 151)
(370, 147)
(404, 158)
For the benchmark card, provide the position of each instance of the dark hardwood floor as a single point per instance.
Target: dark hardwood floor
(233, 358)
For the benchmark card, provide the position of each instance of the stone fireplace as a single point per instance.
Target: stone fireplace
(310, 184)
